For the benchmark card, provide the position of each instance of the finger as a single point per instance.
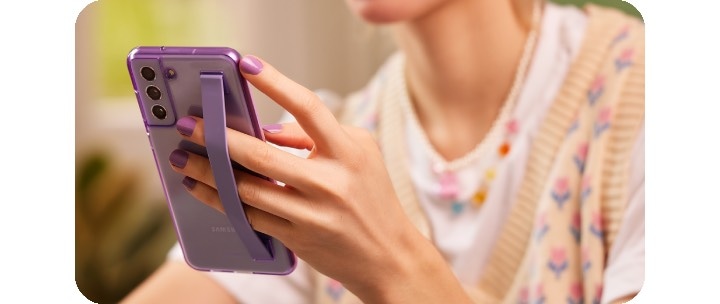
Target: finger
(270, 197)
(253, 190)
(254, 154)
(288, 135)
(268, 223)
(259, 220)
(192, 165)
(204, 193)
(303, 104)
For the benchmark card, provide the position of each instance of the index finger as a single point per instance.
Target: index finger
(307, 108)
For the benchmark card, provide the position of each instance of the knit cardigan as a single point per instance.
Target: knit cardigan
(554, 244)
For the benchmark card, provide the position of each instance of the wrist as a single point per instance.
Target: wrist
(418, 274)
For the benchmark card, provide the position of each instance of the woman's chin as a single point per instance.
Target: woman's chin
(385, 11)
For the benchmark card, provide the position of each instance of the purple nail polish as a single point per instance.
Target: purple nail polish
(189, 183)
(251, 65)
(186, 125)
(273, 128)
(179, 158)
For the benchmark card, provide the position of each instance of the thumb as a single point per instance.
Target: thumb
(288, 135)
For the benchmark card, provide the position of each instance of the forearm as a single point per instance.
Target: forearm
(176, 282)
(421, 276)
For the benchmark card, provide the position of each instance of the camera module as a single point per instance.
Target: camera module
(153, 92)
(159, 111)
(147, 73)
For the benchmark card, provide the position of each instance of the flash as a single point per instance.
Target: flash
(170, 73)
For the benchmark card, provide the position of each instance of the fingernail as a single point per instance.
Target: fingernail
(189, 183)
(179, 158)
(186, 125)
(251, 65)
(273, 128)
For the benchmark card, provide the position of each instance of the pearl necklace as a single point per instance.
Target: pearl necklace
(449, 188)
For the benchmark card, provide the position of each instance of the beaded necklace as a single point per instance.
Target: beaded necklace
(504, 126)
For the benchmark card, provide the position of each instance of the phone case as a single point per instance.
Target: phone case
(204, 82)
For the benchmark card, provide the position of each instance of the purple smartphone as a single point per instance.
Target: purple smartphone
(174, 82)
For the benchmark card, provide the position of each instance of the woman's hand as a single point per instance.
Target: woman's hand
(337, 211)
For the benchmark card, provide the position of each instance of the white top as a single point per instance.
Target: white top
(466, 239)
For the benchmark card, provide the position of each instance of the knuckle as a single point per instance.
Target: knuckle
(319, 222)
(311, 103)
(335, 190)
(356, 161)
(261, 157)
(248, 192)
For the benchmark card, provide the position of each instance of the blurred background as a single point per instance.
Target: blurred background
(123, 229)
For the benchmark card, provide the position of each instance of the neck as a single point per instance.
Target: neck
(461, 60)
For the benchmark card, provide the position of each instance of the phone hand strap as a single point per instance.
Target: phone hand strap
(213, 104)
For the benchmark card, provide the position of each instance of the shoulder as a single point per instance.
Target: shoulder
(609, 68)
(614, 27)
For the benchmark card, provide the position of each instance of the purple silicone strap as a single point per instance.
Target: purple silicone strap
(213, 105)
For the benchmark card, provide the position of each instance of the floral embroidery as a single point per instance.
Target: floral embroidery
(539, 294)
(581, 156)
(574, 126)
(585, 189)
(624, 60)
(586, 263)
(576, 294)
(596, 226)
(334, 289)
(598, 294)
(596, 89)
(561, 191)
(622, 35)
(603, 121)
(558, 261)
(541, 227)
(524, 296)
(575, 226)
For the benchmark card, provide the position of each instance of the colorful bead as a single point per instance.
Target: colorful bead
(480, 196)
(504, 149)
(490, 174)
(512, 127)
(448, 186)
(457, 207)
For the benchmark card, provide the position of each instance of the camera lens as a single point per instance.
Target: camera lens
(147, 73)
(159, 111)
(153, 92)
